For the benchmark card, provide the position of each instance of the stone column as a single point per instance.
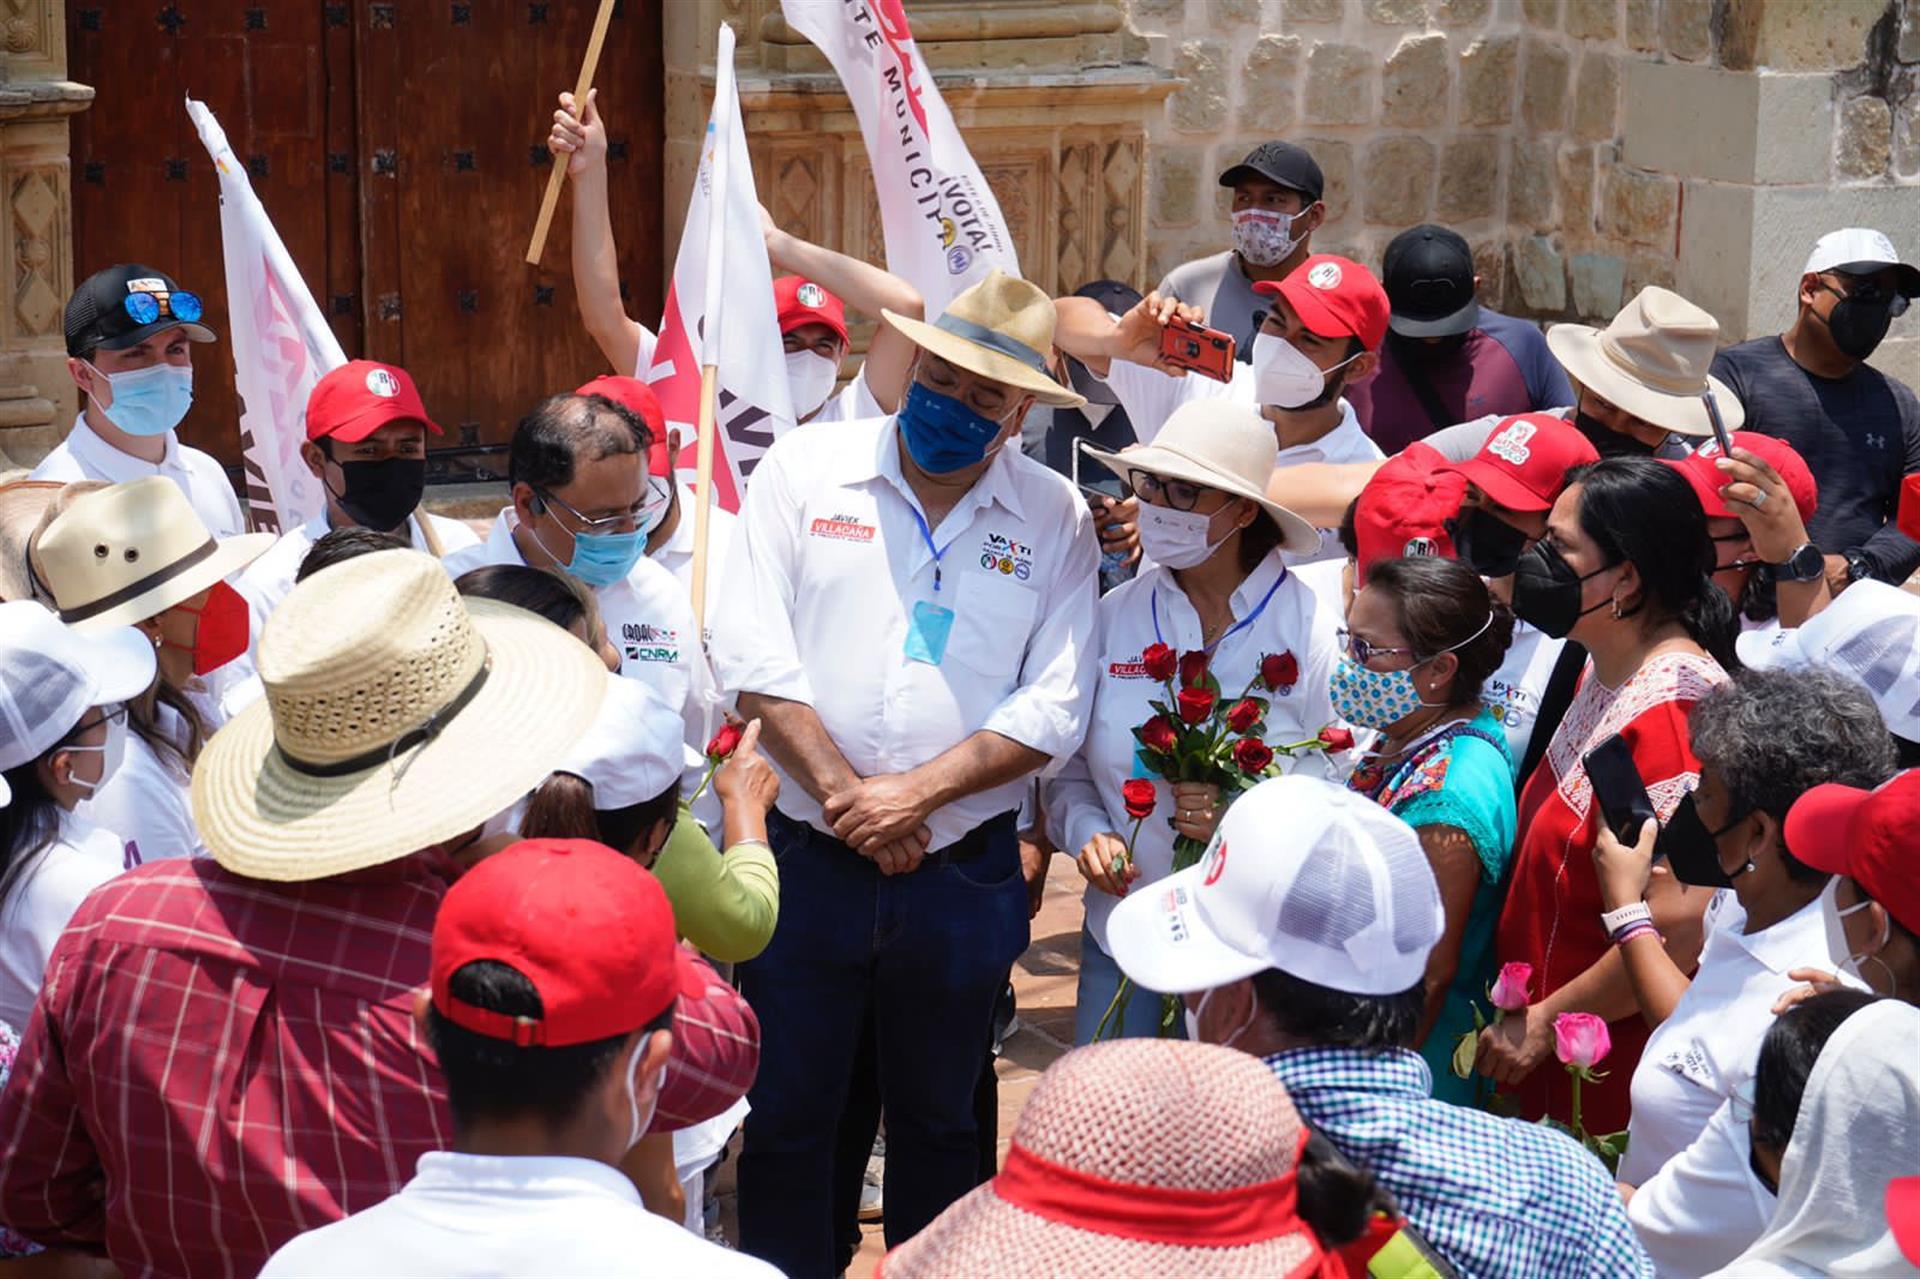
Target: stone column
(35, 100)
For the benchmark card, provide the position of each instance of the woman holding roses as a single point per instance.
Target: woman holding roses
(1213, 615)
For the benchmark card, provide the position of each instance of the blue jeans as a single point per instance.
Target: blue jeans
(928, 952)
(1099, 979)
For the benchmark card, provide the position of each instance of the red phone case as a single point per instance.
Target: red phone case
(1201, 350)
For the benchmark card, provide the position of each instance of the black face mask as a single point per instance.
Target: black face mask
(1546, 591)
(380, 495)
(1609, 442)
(1858, 324)
(1690, 850)
(1485, 543)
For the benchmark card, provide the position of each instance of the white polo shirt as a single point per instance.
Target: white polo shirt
(147, 803)
(478, 1215)
(1705, 1206)
(83, 455)
(831, 566)
(81, 858)
(267, 580)
(676, 553)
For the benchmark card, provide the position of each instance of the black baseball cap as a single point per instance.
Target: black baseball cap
(1427, 272)
(97, 312)
(1280, 162)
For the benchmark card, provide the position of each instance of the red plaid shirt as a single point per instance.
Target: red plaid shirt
(716, 1054)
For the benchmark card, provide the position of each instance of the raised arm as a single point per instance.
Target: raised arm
(867, 289)
(1085, 330)
(581, 141)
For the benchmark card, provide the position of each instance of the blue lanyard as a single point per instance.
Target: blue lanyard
(926, 535)
(1241, 625)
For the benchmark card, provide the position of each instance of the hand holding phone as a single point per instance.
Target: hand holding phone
(1195, 347)
(1618, 789)
(1720, 432)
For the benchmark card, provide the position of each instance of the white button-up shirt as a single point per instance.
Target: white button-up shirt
(1705, 1206)
(472, 1215)
(50, 888)
(676, 553)
(83, 455)
(267, 580)
(1083, 799)
(830, 562)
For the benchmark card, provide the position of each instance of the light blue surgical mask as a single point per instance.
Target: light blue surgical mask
(149, 401)
(601, 559)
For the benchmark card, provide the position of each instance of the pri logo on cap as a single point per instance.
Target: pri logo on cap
(1325, 276)
(1710, 448)
(1511, 444)
(381, 382)
(1421, 548)
(811, 294)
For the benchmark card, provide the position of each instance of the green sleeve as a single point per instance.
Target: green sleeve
(725, 904)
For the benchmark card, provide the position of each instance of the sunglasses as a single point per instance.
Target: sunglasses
(1181, 495)
(145, 308)
(1362, 651)
(1868, 293)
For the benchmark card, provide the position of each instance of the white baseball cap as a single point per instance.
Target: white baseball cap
(1860, 250)
(1870, 634)
(634, 749)
(1303, 875)
(50, 674)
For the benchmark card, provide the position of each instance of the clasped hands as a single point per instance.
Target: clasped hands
(883, 818)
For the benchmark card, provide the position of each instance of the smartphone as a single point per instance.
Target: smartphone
(1618, 787)
(1093, 477)
(1197, 348)
(1719, 427)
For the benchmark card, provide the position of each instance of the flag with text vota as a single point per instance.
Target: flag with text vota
(752, 407)
(280, 341)
(943, 226)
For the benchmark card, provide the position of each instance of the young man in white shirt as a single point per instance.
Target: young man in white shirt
(909, 611)
(129, 335)
(555, 977)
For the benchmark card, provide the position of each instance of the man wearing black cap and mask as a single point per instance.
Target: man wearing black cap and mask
(1276, 209)
(1448, 359)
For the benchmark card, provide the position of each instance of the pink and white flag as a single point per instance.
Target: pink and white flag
(280, 341)
(942, 224)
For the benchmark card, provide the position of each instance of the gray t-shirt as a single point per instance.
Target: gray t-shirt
(1220, 288)
(1458, 443)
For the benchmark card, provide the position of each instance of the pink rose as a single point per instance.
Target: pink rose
(1509, 992)
(1580, 1040)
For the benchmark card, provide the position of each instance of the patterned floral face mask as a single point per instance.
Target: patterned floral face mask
(1372, 699)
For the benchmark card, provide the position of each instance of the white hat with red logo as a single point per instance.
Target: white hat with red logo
(1303, 875)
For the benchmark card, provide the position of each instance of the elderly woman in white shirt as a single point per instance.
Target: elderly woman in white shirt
(1763, 740)
(1213, 581)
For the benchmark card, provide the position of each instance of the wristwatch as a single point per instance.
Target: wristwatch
(1857, 566)
(1806, 564)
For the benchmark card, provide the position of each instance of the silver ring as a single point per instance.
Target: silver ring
(1758, 500)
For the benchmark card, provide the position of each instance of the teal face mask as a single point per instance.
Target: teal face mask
(149, 401)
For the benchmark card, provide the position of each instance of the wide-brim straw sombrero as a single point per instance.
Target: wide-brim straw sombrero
(397, 715)
(22, 504)
(1000, 328)
(1652, 360)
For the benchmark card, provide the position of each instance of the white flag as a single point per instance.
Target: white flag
(752, 407)
(281, 344)
(943, 226)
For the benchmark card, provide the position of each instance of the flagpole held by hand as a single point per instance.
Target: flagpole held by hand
(551, 200)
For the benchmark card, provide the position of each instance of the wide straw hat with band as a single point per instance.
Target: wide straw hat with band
(1002, 329)
(23, 503)
(1223, 445)
(1139, 1157)
(397, 716)
(1651, 360)
(131, 551)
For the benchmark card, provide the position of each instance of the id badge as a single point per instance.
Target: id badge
(927, 633)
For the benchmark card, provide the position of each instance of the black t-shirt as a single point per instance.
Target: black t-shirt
(1859, 435)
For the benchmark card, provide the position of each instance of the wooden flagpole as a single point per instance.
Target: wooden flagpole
(720, 126)
(551, 200)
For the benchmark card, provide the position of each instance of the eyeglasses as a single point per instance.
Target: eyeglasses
(145, 308)
(588, 524)
(1181, 495)
(1869, 293)
(1364, 651)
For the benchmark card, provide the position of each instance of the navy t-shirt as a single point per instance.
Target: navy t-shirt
(1502, 368)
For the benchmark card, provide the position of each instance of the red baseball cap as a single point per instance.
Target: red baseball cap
(1404, 508)
(1335, 297)
(361, 396)
(1524, 463)
(638, 397)
(1707, 479)
(592, 931)
(1865, 835)
(1908, 517)
(799, 301)
(1903, 1215)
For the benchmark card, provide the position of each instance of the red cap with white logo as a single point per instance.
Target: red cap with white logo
(1524, 463)
(1404, 509)
(1335, 297)
(798, 301)
(361, 396)
(1707, 479)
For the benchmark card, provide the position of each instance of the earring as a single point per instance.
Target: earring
(1616, 608)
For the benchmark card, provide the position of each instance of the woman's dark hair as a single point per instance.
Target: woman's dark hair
(1320, 1015)
(553, 596)
(1336, 1198)
(1644, 511)
(490, 1078)
(30, 822)
(1443, 603)
(1349, 532)
(1257, 541)
(562, 808)
(177, 748)
(1787, 1054)
(338, 545)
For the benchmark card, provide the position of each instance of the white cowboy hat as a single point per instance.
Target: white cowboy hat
(23, 502)
(1002, 329)
(1651, 360)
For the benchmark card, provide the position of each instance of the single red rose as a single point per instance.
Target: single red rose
(1243, 715)
(1252, 754)
(1138, 796)
(1336, 738)
(1158, 734)
(724, 742)
(1160, 662)
(1195, 704)
(1279, 671)
(1193, 669)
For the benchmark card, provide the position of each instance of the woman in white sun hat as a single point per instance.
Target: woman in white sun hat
(1214, 583)
(63, 733)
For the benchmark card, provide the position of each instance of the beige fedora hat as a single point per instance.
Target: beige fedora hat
(1651, 360)
(1224, 445)
(1001, 328)
(22, 504)
(126, 552)
(397, 715)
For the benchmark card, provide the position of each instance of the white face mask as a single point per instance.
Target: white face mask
(113, 752)
(638, 1129)
(1264, 237)
(1839, 950)
(1175, 539)
(1194, 1015)
(1285, 378)
(810, 379)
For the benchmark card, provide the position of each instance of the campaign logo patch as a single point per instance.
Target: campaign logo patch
(1173, 915)
(842, 528)
(959, 258)
(1135, 669)
(811, 294)
(147, 284)
(1006, 556)
(1511, 444)
(383, 383)
(645, 642)
(1325, 276)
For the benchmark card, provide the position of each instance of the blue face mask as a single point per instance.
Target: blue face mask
(601, 559)
(942, 434)
(149, 401)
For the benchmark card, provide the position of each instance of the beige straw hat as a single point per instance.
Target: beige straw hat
(1651, 360)
(1136, 1157)
(1224, 445)
(397, 715)
(129, 551)
(1001, 328)
(22, 503)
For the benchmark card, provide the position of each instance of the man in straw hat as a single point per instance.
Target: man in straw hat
(224, 1052)
(1302, 938)
(908, 610)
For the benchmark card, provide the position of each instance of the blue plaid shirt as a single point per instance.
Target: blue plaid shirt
(1498, 1198)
